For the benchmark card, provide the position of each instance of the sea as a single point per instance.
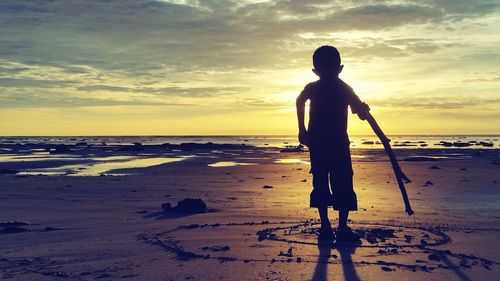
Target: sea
(280, 141)
(119, 155)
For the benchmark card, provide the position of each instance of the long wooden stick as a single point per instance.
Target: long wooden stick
(400, 176)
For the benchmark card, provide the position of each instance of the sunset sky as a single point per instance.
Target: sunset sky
(235, 67)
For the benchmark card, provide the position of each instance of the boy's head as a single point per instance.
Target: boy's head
(326, 61)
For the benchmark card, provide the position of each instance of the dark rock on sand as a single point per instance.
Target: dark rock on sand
(428, 183)
(137, 146)
(267, 186)
(59, 148)
(461, 144)
(464, 144)
(445, 143)
(404, 144)
(216, 248)
(486, 144)
(166, 207)
(187, 205)
(297, 149)
(14, 227)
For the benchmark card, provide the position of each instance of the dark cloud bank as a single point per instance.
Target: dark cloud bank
(143, 38)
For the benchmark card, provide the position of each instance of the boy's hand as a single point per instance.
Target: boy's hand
(303, 137)
(363, 114)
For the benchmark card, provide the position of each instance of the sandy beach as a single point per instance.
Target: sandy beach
(258, 225)
(168, 140)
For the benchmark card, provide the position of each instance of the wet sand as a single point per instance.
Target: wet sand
(113, 227)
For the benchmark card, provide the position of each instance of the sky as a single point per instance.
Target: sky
(218, 67)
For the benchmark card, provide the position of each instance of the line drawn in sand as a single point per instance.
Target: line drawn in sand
(391, 246)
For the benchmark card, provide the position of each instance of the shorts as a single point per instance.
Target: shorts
(332, 173)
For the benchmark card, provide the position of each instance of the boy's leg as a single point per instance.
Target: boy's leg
(345, 233)
(323, 216)
(325, 232)
(343, 216)
(320, 196)
(341, 182)
(344, 197)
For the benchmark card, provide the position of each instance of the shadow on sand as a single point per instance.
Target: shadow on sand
(345, 250)
(161, 215)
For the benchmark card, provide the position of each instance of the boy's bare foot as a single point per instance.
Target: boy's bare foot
(345, 234)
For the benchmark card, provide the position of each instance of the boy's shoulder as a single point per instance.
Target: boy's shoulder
(344, 85)
(311, 85)
(318, 85)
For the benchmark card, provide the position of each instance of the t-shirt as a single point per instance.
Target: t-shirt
(328, 110)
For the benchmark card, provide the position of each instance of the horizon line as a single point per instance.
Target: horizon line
(236, 135)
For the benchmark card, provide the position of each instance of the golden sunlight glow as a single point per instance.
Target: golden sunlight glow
(420, 72)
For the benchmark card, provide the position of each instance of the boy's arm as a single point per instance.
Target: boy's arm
(357, 106)
(300, 105)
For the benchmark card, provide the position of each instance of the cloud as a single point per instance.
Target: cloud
(221, 54)
(168, 91)
(139, 36)
(465, 8)
(30, 99)
(375, 17)
(437, 102)
(33, 83)
(259, 102)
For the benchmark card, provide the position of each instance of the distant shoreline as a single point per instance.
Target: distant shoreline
(250, 135)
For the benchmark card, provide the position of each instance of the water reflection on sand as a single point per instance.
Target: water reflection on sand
(103, 165)
(229, 164)
(291, 161)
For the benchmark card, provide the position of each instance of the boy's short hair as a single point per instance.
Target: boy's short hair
(326, 57)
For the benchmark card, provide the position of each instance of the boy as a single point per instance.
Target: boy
(328, 142)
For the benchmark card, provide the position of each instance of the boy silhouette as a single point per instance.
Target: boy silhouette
(328, 142)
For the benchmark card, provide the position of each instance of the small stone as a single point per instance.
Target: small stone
(166, 206)
(428, 183)
(187, 205)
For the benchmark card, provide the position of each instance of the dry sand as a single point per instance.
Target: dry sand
(113, 227)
